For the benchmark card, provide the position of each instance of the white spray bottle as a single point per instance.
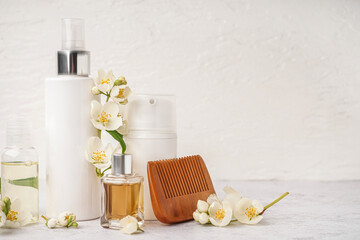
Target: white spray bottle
(72, 184)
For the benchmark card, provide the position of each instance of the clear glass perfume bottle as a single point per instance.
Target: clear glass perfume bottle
(19, 171)
(122, 193)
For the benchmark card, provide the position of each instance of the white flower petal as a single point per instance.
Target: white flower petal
(123, 129)
(120, 93)
(97, 125)
(114, 92)
(101, 74)
(220, 213)
(227, 189)
(95, 91)
(214, 207)
(16, 204)
(203, 218)
(11, 224)
(128, 219)
(108, 151)
(196, 215)
(130, 228)
(232, 199)
(224, 222)
(241, 214)
(52, 223)
(111, 108)
(212, 198)
(63, 218)
(202, 206)
(110, 75)
(114, 123)
(102, 165)
(95, 109)
(232, 196)
(95, 143)
(240, 208)
(24, 218)
(255, 220)
(103, 87)
(258, 205)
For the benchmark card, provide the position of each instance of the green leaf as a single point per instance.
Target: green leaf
(118, 137)
(7, 206)
(26, 182)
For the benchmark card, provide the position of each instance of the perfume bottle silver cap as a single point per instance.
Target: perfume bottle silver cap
(122, 164)
(73, 62)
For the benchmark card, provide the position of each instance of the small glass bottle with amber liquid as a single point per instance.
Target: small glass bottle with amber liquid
(122, 193)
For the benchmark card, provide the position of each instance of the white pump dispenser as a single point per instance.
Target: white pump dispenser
(73, 34)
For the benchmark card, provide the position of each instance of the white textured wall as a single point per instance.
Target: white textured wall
(265, 89)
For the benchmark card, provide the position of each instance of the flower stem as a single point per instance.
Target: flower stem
(102, 174)
(46, 219)
(273, 202)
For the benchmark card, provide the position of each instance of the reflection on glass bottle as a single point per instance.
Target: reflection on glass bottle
(122, 193)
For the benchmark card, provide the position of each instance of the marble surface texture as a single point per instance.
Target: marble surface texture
(313, 210)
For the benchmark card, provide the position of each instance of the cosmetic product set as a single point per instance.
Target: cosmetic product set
(139, 185)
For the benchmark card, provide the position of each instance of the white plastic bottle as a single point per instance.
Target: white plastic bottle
(71, 182)
(152, 135)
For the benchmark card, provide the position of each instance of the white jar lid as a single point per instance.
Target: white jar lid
(152, 113)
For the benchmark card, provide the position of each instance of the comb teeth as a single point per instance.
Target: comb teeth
(182, 176)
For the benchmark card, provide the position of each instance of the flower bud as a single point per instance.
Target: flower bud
(196, 215)
(120, 81)
(130, 228)
(126, 101)
(6, 200)
(52, 223)
(66, 218)
(203, 218)
(202, 206)
(95, 91)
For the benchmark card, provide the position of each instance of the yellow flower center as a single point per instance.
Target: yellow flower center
(121, 93)
(12, 216)
(107, 81)
(220, 214)
(104, 117)
(97, 156)
(251, 212)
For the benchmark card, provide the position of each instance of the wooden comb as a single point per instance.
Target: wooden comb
(176, 185)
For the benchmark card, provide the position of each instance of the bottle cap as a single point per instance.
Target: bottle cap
(73, 34)
(149, 113)
(122, 164)
(73, 59)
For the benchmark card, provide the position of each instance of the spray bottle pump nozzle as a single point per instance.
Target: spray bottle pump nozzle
(73, 36)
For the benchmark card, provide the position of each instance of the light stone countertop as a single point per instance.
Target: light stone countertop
(313, 210)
